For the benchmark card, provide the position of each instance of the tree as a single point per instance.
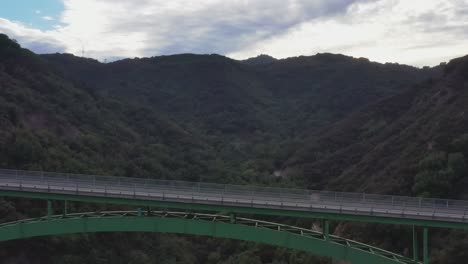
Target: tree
(437, 174)
(456, 162)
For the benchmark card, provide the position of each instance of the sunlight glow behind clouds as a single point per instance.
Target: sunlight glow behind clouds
(418, 32)
(412, 32)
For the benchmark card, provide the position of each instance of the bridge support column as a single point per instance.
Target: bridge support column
(148, 211)
(65, 207)
(326, 229)
(415, 244)
(50, 211)
(425, 246)
(232, 217)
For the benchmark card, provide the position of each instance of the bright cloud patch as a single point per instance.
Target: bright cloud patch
(419, 32)
(145, 28)
(34, 39)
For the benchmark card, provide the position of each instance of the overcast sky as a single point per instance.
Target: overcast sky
(415, 32)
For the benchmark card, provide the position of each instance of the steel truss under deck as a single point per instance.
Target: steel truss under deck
(215, 225)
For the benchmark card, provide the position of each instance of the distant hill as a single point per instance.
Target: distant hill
(259, 60)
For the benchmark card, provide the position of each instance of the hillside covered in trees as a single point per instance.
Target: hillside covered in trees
(325, 121)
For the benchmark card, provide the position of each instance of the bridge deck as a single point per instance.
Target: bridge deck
(451, 211)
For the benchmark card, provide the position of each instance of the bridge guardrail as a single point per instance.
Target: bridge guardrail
(237, 194)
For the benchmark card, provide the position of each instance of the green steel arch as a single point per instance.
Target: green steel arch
(220, 226)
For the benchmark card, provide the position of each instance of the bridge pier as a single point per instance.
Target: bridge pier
(65, 207)
(425, 245)
(50, 210)
(326, 229)
(415, 244)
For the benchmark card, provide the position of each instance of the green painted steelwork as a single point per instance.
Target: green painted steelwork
(65, 207)
(50, 211)
(239, 210)
(326, 229)
(232, 218)
(205, 225)
(415, 244)
(426, 246)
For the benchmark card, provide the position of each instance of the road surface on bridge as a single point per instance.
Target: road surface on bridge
(236, 195)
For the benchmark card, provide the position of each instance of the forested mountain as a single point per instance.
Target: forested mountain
(218, 94)
(411, 143)
(325, 121)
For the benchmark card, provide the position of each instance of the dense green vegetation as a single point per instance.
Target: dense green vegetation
(438, 174)
(325, 121)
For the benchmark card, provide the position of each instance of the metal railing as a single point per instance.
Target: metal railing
(235, 195)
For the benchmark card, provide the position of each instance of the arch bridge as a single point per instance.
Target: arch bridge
(214, 210)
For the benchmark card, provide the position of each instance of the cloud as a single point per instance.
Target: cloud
(48, 18)
(415, 32)
(146, 28)
(34, 39)
(105, 28)
(37, 11)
